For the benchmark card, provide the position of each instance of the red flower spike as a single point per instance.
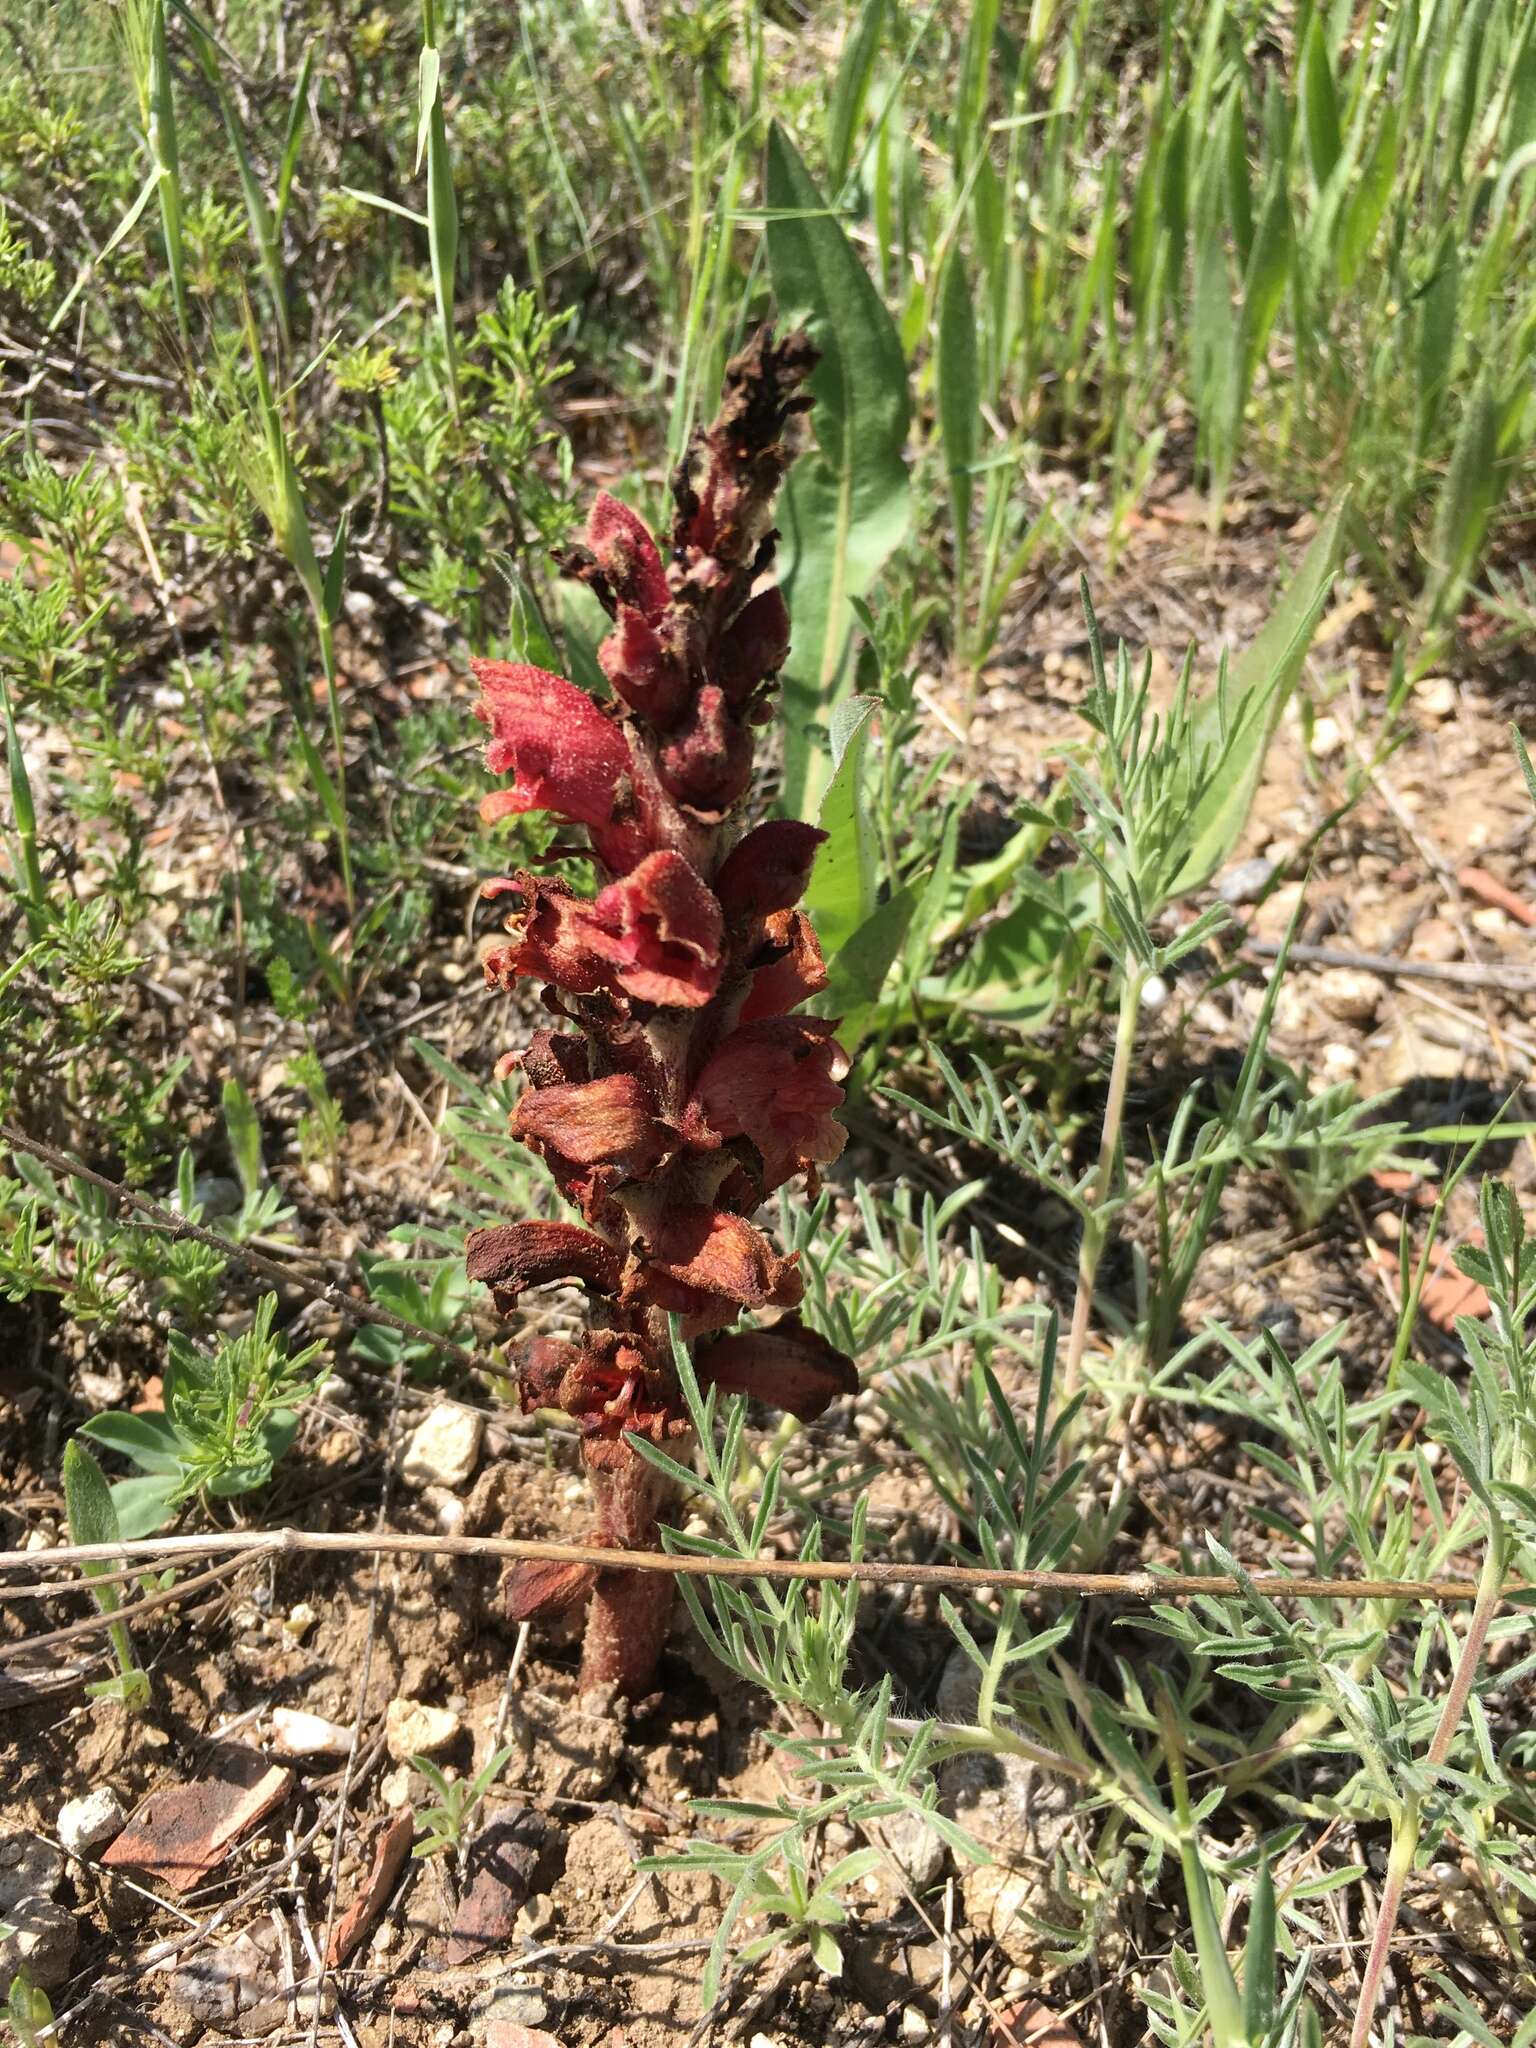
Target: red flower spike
(769, 869)
(708, 766)
(776, 1082)
(678, 1087)
(753, 647)
(622, 546)
(787, 1367)
(661, 931)
(650, 677)
(510, 1257)
(792, 969)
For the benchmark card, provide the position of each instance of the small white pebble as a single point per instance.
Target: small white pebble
(1327, 737)
(91, 1821)
(300, 1620)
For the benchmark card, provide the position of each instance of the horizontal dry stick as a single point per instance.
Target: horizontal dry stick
(253, 1544)
(1463, 974)
(270, 1269)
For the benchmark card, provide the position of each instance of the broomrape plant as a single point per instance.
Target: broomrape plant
(685, 1089)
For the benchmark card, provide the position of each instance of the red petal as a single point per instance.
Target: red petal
(768, 869)
(551, 938)
(661, 929)
(753, 646)
(649, 676)
(536, 1590)
(794, 971)
(708, 766)
(509, 1257)
(621, 541)
(610, 1121)
(553, 1057)
(566, 753)
(787, 1367)
(776, 1082)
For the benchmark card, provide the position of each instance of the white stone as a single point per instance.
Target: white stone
(412, 1728)
(295, 1733)
(299, 1620)
(444, 1448)
(1327, 737)
(91, 1821)
(1340, 1062)
(1436, 697)
(1350, 993)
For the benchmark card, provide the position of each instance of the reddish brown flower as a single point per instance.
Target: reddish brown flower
(753, 647)
(708, 765)
(789, 969)
(594, 1135)
(628, 557)
(707, 1265)
(649, 675)
(551, 938)
(565, 754)
(787, 1367)
(510, 1257)
(661, 931)
(768, 870)
(776, 1082)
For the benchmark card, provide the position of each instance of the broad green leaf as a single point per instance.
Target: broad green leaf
(28, 2008)
(1258, 684)
(846, 504)
(150, 1441)
(144, 1506)
(1259, 1957)
(858, 975)
(1361, 216)
(430, 72)
(841, 893)
(1018, 966)
(91, 1515)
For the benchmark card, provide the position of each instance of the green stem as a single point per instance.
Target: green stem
(1096, 1224)
(1407, 1821)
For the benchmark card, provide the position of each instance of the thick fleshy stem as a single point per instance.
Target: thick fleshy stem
(682, 1087)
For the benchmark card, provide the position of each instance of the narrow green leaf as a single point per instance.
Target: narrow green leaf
(1259, 682)
(1472, 488)
(846, 505)
(850, 89)
(242, 1126)
(842, 886)
(1259, 1952)
(959, 397)
(1319, 105)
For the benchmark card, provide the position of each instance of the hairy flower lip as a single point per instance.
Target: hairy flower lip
(791, 970)
(775, 1081)
(565, 753)
(787, 1366)
(661, 931)
(753, 647)
(697, 1258)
